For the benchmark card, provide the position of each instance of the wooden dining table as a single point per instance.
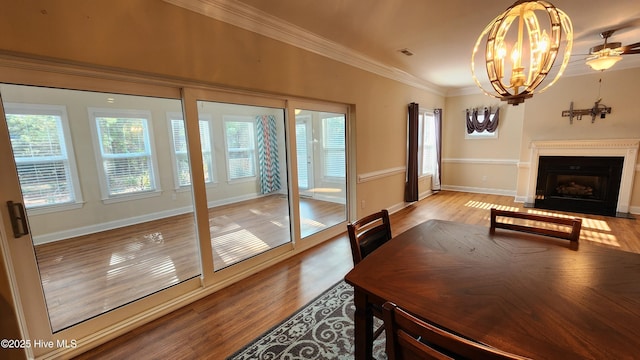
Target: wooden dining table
(531, 295)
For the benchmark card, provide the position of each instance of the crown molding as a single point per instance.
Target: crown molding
(257, 21)
(470, 90)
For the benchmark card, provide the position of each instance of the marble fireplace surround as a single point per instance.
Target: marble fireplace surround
(627, 148)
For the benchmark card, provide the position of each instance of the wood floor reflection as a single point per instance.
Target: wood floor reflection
(88, 275)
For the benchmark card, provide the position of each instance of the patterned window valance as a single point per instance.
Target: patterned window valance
(489, 121)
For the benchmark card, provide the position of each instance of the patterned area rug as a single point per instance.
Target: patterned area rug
(323, 329)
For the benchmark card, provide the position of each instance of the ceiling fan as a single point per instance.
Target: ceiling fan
(604, 56)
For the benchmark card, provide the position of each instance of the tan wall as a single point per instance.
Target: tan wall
(539, 118)
(617, 89)
(480, 165)
(153, 37)
(158, 38)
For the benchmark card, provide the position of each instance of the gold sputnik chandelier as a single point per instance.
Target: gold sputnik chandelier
(519, 59)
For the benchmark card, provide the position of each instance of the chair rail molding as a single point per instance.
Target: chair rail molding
(374, 175)
(481, 161)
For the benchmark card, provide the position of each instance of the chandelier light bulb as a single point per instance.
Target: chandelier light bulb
(534, 33)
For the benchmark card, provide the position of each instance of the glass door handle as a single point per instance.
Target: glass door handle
(18, 219)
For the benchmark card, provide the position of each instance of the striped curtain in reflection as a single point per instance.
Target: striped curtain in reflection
(268, 161)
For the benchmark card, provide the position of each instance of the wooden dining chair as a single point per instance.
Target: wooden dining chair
(571, 226)
(366, 235)
(411, 338)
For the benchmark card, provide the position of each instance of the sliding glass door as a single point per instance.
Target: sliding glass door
(108, 222)
(322, 169)
(122, 201)
(248, 198)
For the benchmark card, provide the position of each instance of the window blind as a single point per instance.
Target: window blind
(41, 158)
(240, 149)
(334, 147)
(126, 153)
(301, 151)
(182, 155)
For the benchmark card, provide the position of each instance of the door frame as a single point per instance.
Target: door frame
(307, 121)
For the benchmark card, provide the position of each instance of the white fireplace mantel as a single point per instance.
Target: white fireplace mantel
(627, 148)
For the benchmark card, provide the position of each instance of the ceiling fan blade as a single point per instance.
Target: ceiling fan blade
(579, 56)
(631, 49)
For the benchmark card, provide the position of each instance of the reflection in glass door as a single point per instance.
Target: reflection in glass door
(304, 152)
(249, 200)
(109, 224)
(325, 168)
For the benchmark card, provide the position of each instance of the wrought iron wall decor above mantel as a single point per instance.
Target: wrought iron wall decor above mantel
(597, 110)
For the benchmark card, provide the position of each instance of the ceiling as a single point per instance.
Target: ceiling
(440, 34)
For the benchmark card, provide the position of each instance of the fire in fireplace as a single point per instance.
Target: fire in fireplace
(583, 184)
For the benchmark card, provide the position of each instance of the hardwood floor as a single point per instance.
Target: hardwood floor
(220, 324)
(88, 275)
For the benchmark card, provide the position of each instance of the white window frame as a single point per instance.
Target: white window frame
(252, 149)
(212, 171)
(306, 121)
(481, 135)
(107, 198)
(426, 143)
(325, 148)
(67, 157)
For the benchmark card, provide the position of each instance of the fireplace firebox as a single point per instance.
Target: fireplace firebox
(583, 184)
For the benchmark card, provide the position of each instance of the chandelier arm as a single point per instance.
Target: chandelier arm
(518, 82)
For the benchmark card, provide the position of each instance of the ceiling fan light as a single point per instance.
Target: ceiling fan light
(603, 62)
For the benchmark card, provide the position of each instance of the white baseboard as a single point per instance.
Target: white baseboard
(399, 206)
(424, 194)
(520, 199)
(235, 199)
(110, 225)
(328, 198)
(478, 190)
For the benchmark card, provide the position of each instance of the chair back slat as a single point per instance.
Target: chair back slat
(409, 337)
(369, 233)
(573, 224)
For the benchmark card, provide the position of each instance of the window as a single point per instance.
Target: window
(124, 151)
(333, 146)
(41, 144)
(302, 151)
(241, 153)
(485, 134)
(181, 155)
(426, 144)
